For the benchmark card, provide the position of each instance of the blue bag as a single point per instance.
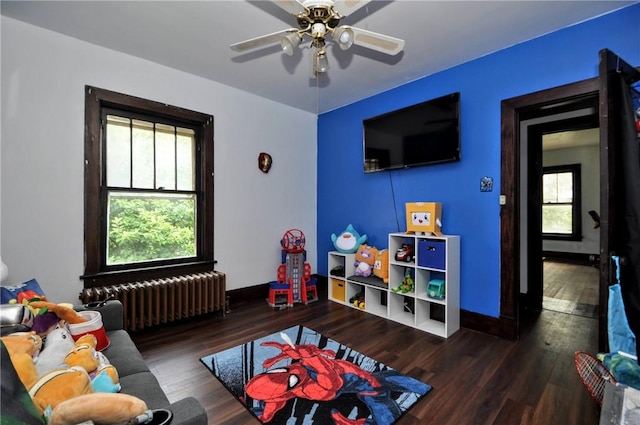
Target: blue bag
(621, 337)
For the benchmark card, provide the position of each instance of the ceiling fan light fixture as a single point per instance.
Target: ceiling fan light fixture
(289, 43)
(321, 62)
(344, 37)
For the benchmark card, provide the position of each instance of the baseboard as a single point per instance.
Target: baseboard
(261, 292)
(470, 320)
(572, 257)
(480, 322)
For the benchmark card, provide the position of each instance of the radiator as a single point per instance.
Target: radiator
(153, 302)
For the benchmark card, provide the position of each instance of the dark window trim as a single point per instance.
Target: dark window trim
(576, 209)
(96, 273)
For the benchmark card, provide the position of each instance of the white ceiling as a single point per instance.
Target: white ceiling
(194, 36)
(571, 139)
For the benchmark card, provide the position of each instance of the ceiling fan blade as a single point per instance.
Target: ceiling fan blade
(291, 6)
(261, 41)
(375, 41)
(347, 7)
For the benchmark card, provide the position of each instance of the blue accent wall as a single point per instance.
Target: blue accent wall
(374, 203)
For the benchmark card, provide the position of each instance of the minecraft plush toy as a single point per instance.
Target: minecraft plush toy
(348, 241)
(365, 257)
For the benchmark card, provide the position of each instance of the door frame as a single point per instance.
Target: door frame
(512, 112)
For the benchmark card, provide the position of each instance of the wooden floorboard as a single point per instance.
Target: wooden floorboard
(476, 378)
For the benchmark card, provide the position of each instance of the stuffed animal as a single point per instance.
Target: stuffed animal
(348, 241)
(63, 311)
(100, 408)
(104, 376)
(381, 265)
(51, 388)
(23, 349)
(365, 258)
(56, 344)
(48, 314)
(66, 396)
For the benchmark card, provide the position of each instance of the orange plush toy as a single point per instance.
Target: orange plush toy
(381, 265)
(68, 314)
(365, 258)
(65, 396)
(104, 376)
(23, 347)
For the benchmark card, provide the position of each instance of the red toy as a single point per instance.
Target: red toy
(405, 253)
(294, 279)
(293, 241)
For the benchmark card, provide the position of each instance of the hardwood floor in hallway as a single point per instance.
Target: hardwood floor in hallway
(477, 379)
(570, 288)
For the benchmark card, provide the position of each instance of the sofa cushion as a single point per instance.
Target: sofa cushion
(145, 386)
(123, 354)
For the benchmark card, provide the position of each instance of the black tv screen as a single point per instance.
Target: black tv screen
(422, 134)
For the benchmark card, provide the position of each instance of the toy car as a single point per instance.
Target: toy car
(358, 300)
(405, 253)
(436, 289)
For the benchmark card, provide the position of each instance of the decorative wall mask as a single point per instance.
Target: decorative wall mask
(264, 162)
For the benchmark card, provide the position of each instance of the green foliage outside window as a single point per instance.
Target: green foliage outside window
(557, 219)
(147, 229)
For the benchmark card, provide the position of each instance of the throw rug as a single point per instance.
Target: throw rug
(300, 377)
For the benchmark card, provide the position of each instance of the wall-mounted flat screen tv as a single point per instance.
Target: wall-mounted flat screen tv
(422, 134)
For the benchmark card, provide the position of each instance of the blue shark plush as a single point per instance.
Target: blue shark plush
(348, 241)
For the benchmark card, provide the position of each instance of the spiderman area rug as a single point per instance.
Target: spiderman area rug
(299, 377)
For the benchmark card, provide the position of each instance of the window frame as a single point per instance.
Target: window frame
(576, 204)
(96, 272)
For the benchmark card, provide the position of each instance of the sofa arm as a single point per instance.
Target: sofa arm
(111, 311)
(188, 411)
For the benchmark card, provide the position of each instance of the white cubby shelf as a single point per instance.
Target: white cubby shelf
(434, 258)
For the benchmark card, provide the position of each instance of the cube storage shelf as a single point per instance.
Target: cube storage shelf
(436, 258)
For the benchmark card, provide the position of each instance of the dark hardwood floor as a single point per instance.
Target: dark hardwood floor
(476, 378)
(570, 288)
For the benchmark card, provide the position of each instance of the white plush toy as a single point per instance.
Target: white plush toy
(56, 346)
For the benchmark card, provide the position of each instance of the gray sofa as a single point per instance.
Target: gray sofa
(135, 377)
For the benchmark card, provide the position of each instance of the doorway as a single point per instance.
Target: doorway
(565, 144)
(521, 164)
(620, 210)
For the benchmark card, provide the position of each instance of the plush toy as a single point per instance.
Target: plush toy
(381, 265)
(23, 349)
(365, 258)
(48, 314)
(59, 385)
(104, 376)
(348, 241)
(102, 409)
(63, 311)
(51, 388)
(66, 396)
(56, 344)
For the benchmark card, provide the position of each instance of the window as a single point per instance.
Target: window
(561, 202)
(148, 189)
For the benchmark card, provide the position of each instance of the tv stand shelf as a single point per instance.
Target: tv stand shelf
(436, 258)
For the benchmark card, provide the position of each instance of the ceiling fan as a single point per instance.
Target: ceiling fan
(318, 19)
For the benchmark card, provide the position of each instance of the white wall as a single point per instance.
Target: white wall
(42, 155)
(589, 159)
